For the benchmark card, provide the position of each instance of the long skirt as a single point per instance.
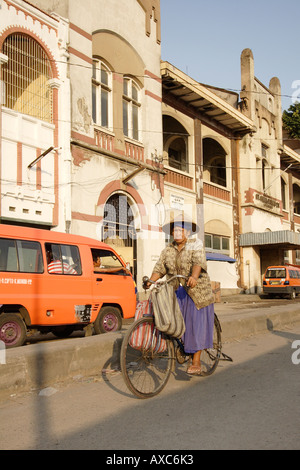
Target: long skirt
(199, 323)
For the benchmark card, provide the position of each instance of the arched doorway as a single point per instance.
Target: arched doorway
(118, 228)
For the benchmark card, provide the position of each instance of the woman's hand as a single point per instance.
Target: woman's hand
(191, 282)
(146, 285)
(148, 282)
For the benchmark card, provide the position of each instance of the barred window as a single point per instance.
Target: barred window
(26, 77)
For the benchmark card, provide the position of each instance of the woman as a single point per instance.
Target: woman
(195, 297)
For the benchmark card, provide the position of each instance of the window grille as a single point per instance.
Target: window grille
(26, 76)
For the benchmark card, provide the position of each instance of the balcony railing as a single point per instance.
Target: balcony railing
(104, 140)
(179, 179)
(134, 151)
(215, 191)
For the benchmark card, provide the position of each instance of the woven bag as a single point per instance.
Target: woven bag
(167, 313)
(145, 337)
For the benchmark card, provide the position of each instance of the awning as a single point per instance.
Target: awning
(284, 238)
(290, 156)
(201, 98)
(219, 257)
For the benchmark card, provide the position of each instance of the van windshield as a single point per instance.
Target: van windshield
(275, 273)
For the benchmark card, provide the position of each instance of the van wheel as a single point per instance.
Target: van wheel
(12, 330)
(109, 319)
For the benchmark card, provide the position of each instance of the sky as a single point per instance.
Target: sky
(205, 38)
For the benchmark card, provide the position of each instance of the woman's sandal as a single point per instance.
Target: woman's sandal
(194, 370)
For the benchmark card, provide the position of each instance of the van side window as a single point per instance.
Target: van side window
(63, 259)
(21, 256)
(294, 274)
(107, 262)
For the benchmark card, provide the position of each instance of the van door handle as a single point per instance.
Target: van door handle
(99, 279)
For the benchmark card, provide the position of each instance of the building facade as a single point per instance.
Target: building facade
(100, 138)
(269, 182)
(34, 117)
(227, 155)
(100, 144)
(202, 127)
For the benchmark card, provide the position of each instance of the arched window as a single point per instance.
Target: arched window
(264, 164)
(175, 143)
(131, 109)
(283, 194)
(102, 94)
(26, 77)
(178, 154)
(263, 173)
(296, 198)
(214, 162)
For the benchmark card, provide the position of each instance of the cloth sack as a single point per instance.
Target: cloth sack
(146, 337)
(167, 313)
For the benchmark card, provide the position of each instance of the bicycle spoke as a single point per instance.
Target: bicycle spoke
(145, 370)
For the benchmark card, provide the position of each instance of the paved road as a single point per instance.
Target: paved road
(252, 403)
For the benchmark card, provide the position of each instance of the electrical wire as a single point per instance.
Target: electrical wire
(181, 81)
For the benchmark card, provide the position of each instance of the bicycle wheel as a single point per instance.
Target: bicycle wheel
(210, 357)
(147, 358)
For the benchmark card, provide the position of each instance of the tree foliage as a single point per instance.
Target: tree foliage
(291, 120)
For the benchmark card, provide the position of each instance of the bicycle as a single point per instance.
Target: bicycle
(147, 365)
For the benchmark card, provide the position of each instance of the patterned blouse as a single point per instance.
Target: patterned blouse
(172, 262)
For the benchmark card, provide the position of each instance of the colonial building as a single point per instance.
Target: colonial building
(100, 138)
(34, 117)
(101, 125)
(202, 127)
(225, 154)
(269, 182)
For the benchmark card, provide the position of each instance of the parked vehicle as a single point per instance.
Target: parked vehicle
(48, 282)
(282, 280)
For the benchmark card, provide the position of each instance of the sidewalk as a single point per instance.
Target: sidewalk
(36, 366)
(245, 315)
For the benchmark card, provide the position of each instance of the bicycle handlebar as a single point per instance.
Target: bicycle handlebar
(176, 276)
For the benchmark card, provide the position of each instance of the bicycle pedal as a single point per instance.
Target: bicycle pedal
(226, 358)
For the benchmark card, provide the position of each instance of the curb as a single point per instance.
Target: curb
(249, 323)
(38, 366)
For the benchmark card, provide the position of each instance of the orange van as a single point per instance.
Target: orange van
(282, 280)
(57, 282)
